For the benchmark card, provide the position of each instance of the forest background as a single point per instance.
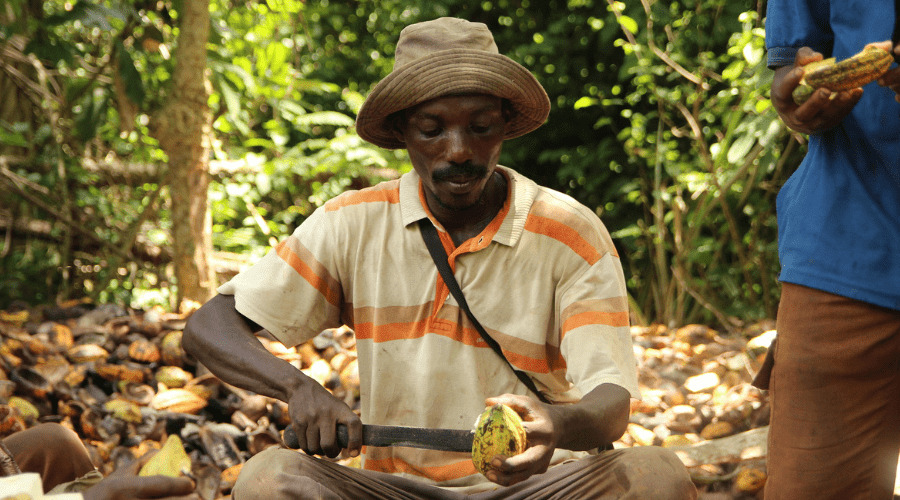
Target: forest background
(151, 148)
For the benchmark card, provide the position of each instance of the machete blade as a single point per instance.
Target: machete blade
(390, 435)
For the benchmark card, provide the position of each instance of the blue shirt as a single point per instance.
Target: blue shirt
(839, 213)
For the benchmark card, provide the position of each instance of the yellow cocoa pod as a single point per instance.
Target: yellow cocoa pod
(750, 480)
(499, 431)
(171, 460)
(860, 69)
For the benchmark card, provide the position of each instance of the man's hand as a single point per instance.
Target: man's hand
(891, 79)
(599, 418)
(542, 434)
(822, 111)
(125, 484)
(122, 487)
(315, 414)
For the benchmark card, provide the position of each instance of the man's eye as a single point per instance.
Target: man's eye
(430, 132)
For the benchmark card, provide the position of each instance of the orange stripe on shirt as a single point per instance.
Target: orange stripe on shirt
(522, 362)
(417, 329)
(437, 473)
(564, 234)
(595, 318)
(314, 273)
(389, 193)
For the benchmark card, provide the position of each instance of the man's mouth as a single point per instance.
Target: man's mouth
(461, 184)
(460, 178)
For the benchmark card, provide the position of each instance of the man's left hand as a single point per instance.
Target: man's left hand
(542, 434)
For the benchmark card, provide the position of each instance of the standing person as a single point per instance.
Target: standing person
(538, 270)
(835, 382)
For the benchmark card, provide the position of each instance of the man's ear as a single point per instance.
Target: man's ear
(508, 110)
(395, 122)
(398, 134)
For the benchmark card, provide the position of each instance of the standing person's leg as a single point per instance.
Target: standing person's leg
(835, 426)
(51, 450)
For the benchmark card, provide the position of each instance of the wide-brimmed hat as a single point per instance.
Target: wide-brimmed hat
(450, 56)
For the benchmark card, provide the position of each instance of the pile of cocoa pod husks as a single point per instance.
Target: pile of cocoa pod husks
(120, 379)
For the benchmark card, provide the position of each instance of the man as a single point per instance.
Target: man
(538, 269)
(835, 427)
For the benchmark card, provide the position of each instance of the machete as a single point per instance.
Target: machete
(390, 435)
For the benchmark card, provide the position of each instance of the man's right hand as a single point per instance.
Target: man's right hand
(822, 111)
(315, 414)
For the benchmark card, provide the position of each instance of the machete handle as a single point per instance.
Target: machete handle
(290, 437)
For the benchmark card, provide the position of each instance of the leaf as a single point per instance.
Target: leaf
(131, 77)
(88, 122)
(170, 461)
(12, 139)
(740, 147)
(628, 23)
(52, 51)
(324, 118)
(90, 15)
(585, 101)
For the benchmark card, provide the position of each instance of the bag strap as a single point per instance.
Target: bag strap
(439, 256)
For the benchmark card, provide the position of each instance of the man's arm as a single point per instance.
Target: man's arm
(224, 340)
(599, 418)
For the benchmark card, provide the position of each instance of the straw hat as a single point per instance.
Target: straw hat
(450, 56)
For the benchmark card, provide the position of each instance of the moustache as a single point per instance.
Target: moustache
(467, 169)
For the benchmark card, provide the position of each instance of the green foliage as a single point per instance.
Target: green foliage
(660, 122)
(106, 68)
(707, 151)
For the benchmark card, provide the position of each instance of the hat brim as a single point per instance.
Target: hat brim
(453, 72)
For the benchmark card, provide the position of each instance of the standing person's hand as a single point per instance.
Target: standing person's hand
(125, 484)
(891, 79)
(542, 434)
(824, 109)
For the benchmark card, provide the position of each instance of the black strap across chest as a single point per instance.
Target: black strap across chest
(439, 256)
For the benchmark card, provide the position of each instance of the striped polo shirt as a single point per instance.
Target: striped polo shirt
(543, 278)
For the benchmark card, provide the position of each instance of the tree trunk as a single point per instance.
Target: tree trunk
(183, 128)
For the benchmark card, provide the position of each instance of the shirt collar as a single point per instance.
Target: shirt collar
(522, 190)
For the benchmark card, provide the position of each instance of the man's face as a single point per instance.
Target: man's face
(454, 144)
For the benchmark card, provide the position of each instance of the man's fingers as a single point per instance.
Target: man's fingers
(810, 109)
(511, 470)
(313, 444)
(524, 461)
(328, 441)
(300, 433)
(162, 486)
(516, 402)
(886, 45)
(805, 56)
(354, 436)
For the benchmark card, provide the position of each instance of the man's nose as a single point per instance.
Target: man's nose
(459, 148)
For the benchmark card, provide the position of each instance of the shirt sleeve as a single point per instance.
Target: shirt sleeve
(791, 24)
(294, 291)
(595, 335)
